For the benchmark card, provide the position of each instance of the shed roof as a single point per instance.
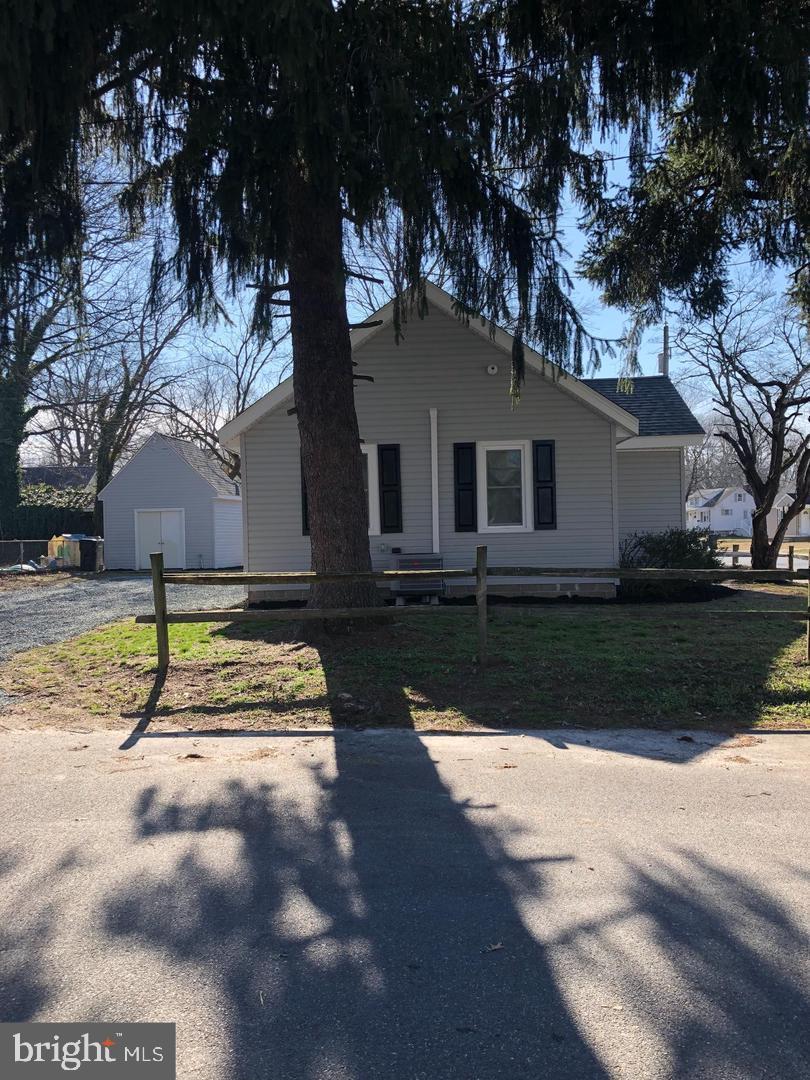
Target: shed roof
(206, 463)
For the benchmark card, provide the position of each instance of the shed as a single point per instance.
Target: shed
(174, 497)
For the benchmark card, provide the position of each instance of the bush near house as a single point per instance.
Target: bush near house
(669, 549)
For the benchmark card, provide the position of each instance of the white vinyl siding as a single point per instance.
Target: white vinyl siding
(227, 532)
(157, 478)
(649, 491)
(442, 365)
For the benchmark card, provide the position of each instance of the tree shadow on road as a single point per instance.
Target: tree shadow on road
(374, 926)
(26, 934)
(367, 931)
(720, 981)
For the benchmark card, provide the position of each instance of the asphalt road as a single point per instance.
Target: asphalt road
(41, 615)
(380, 905)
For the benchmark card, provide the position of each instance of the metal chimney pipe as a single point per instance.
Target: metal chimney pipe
(663, 357)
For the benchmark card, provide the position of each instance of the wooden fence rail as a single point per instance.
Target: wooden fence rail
(162, 617)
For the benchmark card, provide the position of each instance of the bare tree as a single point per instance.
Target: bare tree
(233, 366)
(98, 405)
(713, 463)
(376, 268)
(754, 359)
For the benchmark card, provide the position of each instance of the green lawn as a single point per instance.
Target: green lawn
(590, 665)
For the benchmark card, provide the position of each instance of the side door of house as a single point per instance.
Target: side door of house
(161, 530)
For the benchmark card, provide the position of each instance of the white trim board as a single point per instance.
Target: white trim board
(434, 480)
(481, 448)
(659, 442)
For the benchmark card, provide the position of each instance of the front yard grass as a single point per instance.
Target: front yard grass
(671, 665)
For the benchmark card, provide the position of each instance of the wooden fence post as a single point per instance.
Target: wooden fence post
(159, 595)
(808, 613)
(481, 602)
(735, 559)
(790, 556)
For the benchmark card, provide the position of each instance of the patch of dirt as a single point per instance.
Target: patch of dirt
(738, 759)
(259, 754)
(20, 582)
(744, 740)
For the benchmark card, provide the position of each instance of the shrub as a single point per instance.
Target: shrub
(45, 511)
(670, 549)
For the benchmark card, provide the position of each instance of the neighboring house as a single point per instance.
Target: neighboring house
(798, 527)
(60, 476)
(174, 497)
(450, 464)
(721, 510)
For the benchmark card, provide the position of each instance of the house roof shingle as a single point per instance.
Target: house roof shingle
(654, 401)
(59, 476)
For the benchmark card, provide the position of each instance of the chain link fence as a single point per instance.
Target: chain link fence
(21, 551)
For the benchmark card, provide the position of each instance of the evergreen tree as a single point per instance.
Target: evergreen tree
(268, 130)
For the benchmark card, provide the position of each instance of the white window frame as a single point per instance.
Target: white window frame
(370, 450)
(524, 446)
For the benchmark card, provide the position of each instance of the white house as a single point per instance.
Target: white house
(721, 510)
(556, 481)
(174, 497)
(798, 527)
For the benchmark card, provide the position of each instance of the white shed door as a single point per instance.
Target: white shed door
(161, 530)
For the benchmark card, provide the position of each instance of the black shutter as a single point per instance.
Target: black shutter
(545, 494)
(390, 488)
(304, 505)
(464, 478)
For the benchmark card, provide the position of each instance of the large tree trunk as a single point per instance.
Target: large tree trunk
(324, 397)
(104, 471)
(12, 433)
(763, 553)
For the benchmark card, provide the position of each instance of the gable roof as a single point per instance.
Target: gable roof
(709, 497)
(500, 338)
(654, 401)
(59, 476)
(204, 462)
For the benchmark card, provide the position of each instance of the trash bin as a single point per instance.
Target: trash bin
(90, 553)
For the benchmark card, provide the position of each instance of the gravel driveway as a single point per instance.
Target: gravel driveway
(39, 616)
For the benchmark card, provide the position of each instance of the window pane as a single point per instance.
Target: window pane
(504, 487)
(503, 468)
(505, 506)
